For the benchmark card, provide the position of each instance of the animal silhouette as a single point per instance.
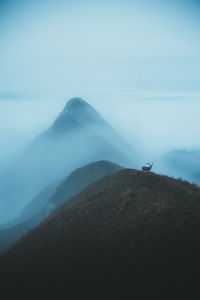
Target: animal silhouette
(147, 169)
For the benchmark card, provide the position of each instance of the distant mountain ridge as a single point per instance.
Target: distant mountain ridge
(51, 197)
(77, 137)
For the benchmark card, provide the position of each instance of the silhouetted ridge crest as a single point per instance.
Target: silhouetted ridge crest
(80, 179)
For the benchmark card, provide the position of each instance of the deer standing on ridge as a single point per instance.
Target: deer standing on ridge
(147, 169)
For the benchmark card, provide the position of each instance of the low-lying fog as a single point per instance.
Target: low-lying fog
(154, 124)
(136, 62)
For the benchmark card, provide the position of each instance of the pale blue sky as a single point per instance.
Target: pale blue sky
(56, 48)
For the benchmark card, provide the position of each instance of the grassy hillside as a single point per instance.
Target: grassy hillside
(129, 235)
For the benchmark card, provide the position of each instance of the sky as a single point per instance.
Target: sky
(137, 62)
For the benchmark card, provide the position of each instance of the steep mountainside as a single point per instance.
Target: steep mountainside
(79, 179)
(78, 136)
(131, 234)
(51, 197)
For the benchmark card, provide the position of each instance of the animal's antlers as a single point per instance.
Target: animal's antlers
(147, 169)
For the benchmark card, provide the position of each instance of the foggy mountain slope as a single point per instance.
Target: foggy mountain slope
(35, 212)
(33, 207)
(184, 164)
(77, 137)
(131, 232)
(38, 202)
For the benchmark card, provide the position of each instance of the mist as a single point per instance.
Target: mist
(136, 62)
(78, 136)
(154, 126)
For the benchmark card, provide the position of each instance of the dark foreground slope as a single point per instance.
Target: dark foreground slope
(129, 235)
(51, 197)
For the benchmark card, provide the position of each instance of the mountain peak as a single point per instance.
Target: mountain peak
(77, 112)
(76, 105)
(75, 102)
